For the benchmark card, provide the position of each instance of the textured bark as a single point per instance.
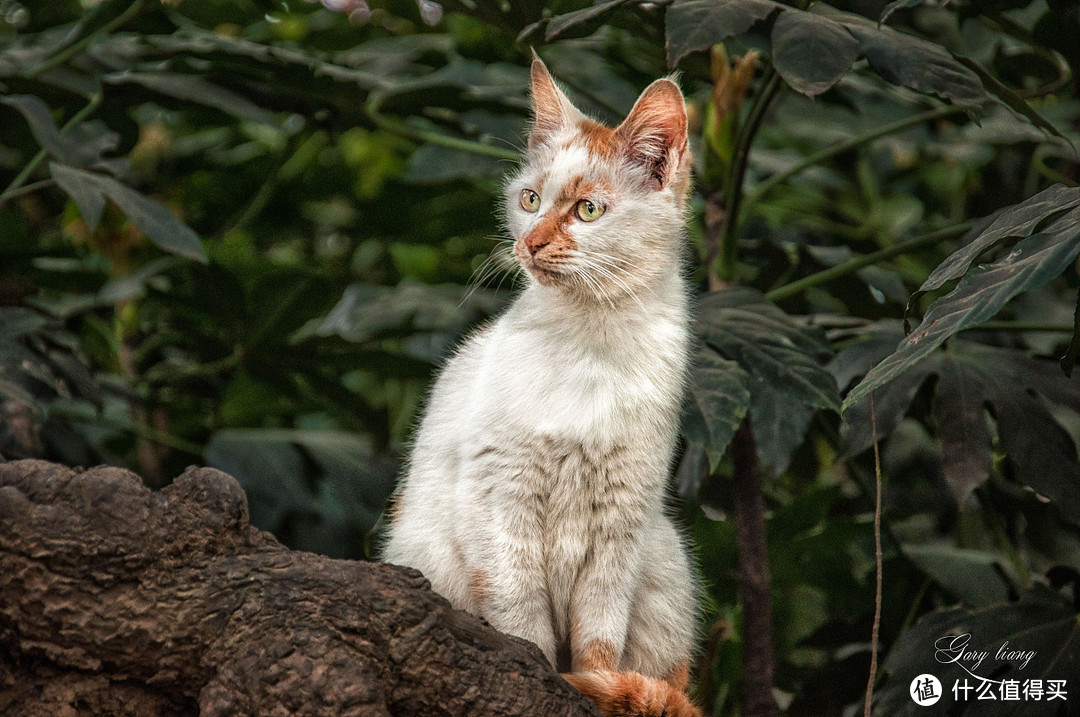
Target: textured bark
(119, 600)
(755, 586)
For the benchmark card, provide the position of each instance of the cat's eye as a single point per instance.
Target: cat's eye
(589, 211)
(530, 200)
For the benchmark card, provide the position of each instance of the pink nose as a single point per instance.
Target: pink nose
(536, 241)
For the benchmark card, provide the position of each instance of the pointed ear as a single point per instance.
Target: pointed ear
(552, 110)
(654, 133)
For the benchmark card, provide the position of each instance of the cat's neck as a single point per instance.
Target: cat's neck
(587, 316)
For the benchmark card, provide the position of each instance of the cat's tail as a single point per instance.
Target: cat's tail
(632, 694)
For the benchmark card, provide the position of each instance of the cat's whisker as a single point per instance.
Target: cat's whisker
(617, 262)
(608, 274)
(511, 269)
(613, 263)
(592, 283)
(499, 260)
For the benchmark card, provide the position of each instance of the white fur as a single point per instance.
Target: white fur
(541, 460)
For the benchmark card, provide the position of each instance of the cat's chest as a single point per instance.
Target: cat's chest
(614, 389)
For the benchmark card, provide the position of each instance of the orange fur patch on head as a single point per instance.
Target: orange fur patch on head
(599, 140)
(552, 230)
(480, 585)
(631, 694)
(597, 655)
(578, 188)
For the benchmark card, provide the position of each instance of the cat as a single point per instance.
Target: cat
(535, 490)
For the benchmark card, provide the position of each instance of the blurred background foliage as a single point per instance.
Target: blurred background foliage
(245, 233)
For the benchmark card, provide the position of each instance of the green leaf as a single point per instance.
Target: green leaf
(895, 5)
(693, 25)
(79, 146)
(583, 21)
(981, 294)
(325, 487)
(961, 427)
(190, 88)
(1010, 99)
(719, 399)
(1043, 622)
(89, 191)
(435, 164)
(430, 318)
(1068, 361)
(787, 381)
(891, 404)
(810, 52)
(1019, 220)
(971, 575)
(972, 381)
(910, 61)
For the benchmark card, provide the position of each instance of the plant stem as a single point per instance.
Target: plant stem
(852, 265)
(29, 189)
(829, 152)
(75, 48)
(875, 630)
(754, 581)
(13, 188)
(404, 129)
(733, 187)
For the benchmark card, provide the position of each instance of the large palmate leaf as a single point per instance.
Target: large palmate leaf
(1042, 624)
(909, 61)
(89, 191)
(718, 401)
(813, 49)
(787, 382)
(1035, 260)
(976, 383)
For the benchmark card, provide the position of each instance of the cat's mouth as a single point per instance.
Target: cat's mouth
(544, 273)
(542, 267)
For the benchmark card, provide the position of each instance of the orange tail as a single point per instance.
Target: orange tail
(632, 694)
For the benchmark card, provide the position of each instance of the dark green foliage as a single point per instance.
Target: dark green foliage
(246, 234)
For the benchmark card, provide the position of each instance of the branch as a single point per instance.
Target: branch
(123, 599)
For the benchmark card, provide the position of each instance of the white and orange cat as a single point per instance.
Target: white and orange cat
(535, 490)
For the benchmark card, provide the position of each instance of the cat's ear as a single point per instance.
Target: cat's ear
(654, 133)
(552, 110)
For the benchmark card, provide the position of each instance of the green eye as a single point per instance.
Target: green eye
(589, 211)
(530, 200)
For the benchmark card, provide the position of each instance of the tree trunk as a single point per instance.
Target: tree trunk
(119, 600)
(754, 582)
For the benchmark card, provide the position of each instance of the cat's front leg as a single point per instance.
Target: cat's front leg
(601, 602)
(503, 532)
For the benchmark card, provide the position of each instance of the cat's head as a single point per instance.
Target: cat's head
(598, 210)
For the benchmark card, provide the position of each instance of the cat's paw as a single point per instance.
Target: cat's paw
(632, 694)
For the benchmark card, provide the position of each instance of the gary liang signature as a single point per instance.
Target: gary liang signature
(958, 650)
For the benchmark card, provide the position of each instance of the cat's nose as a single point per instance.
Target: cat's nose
(535, 243)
